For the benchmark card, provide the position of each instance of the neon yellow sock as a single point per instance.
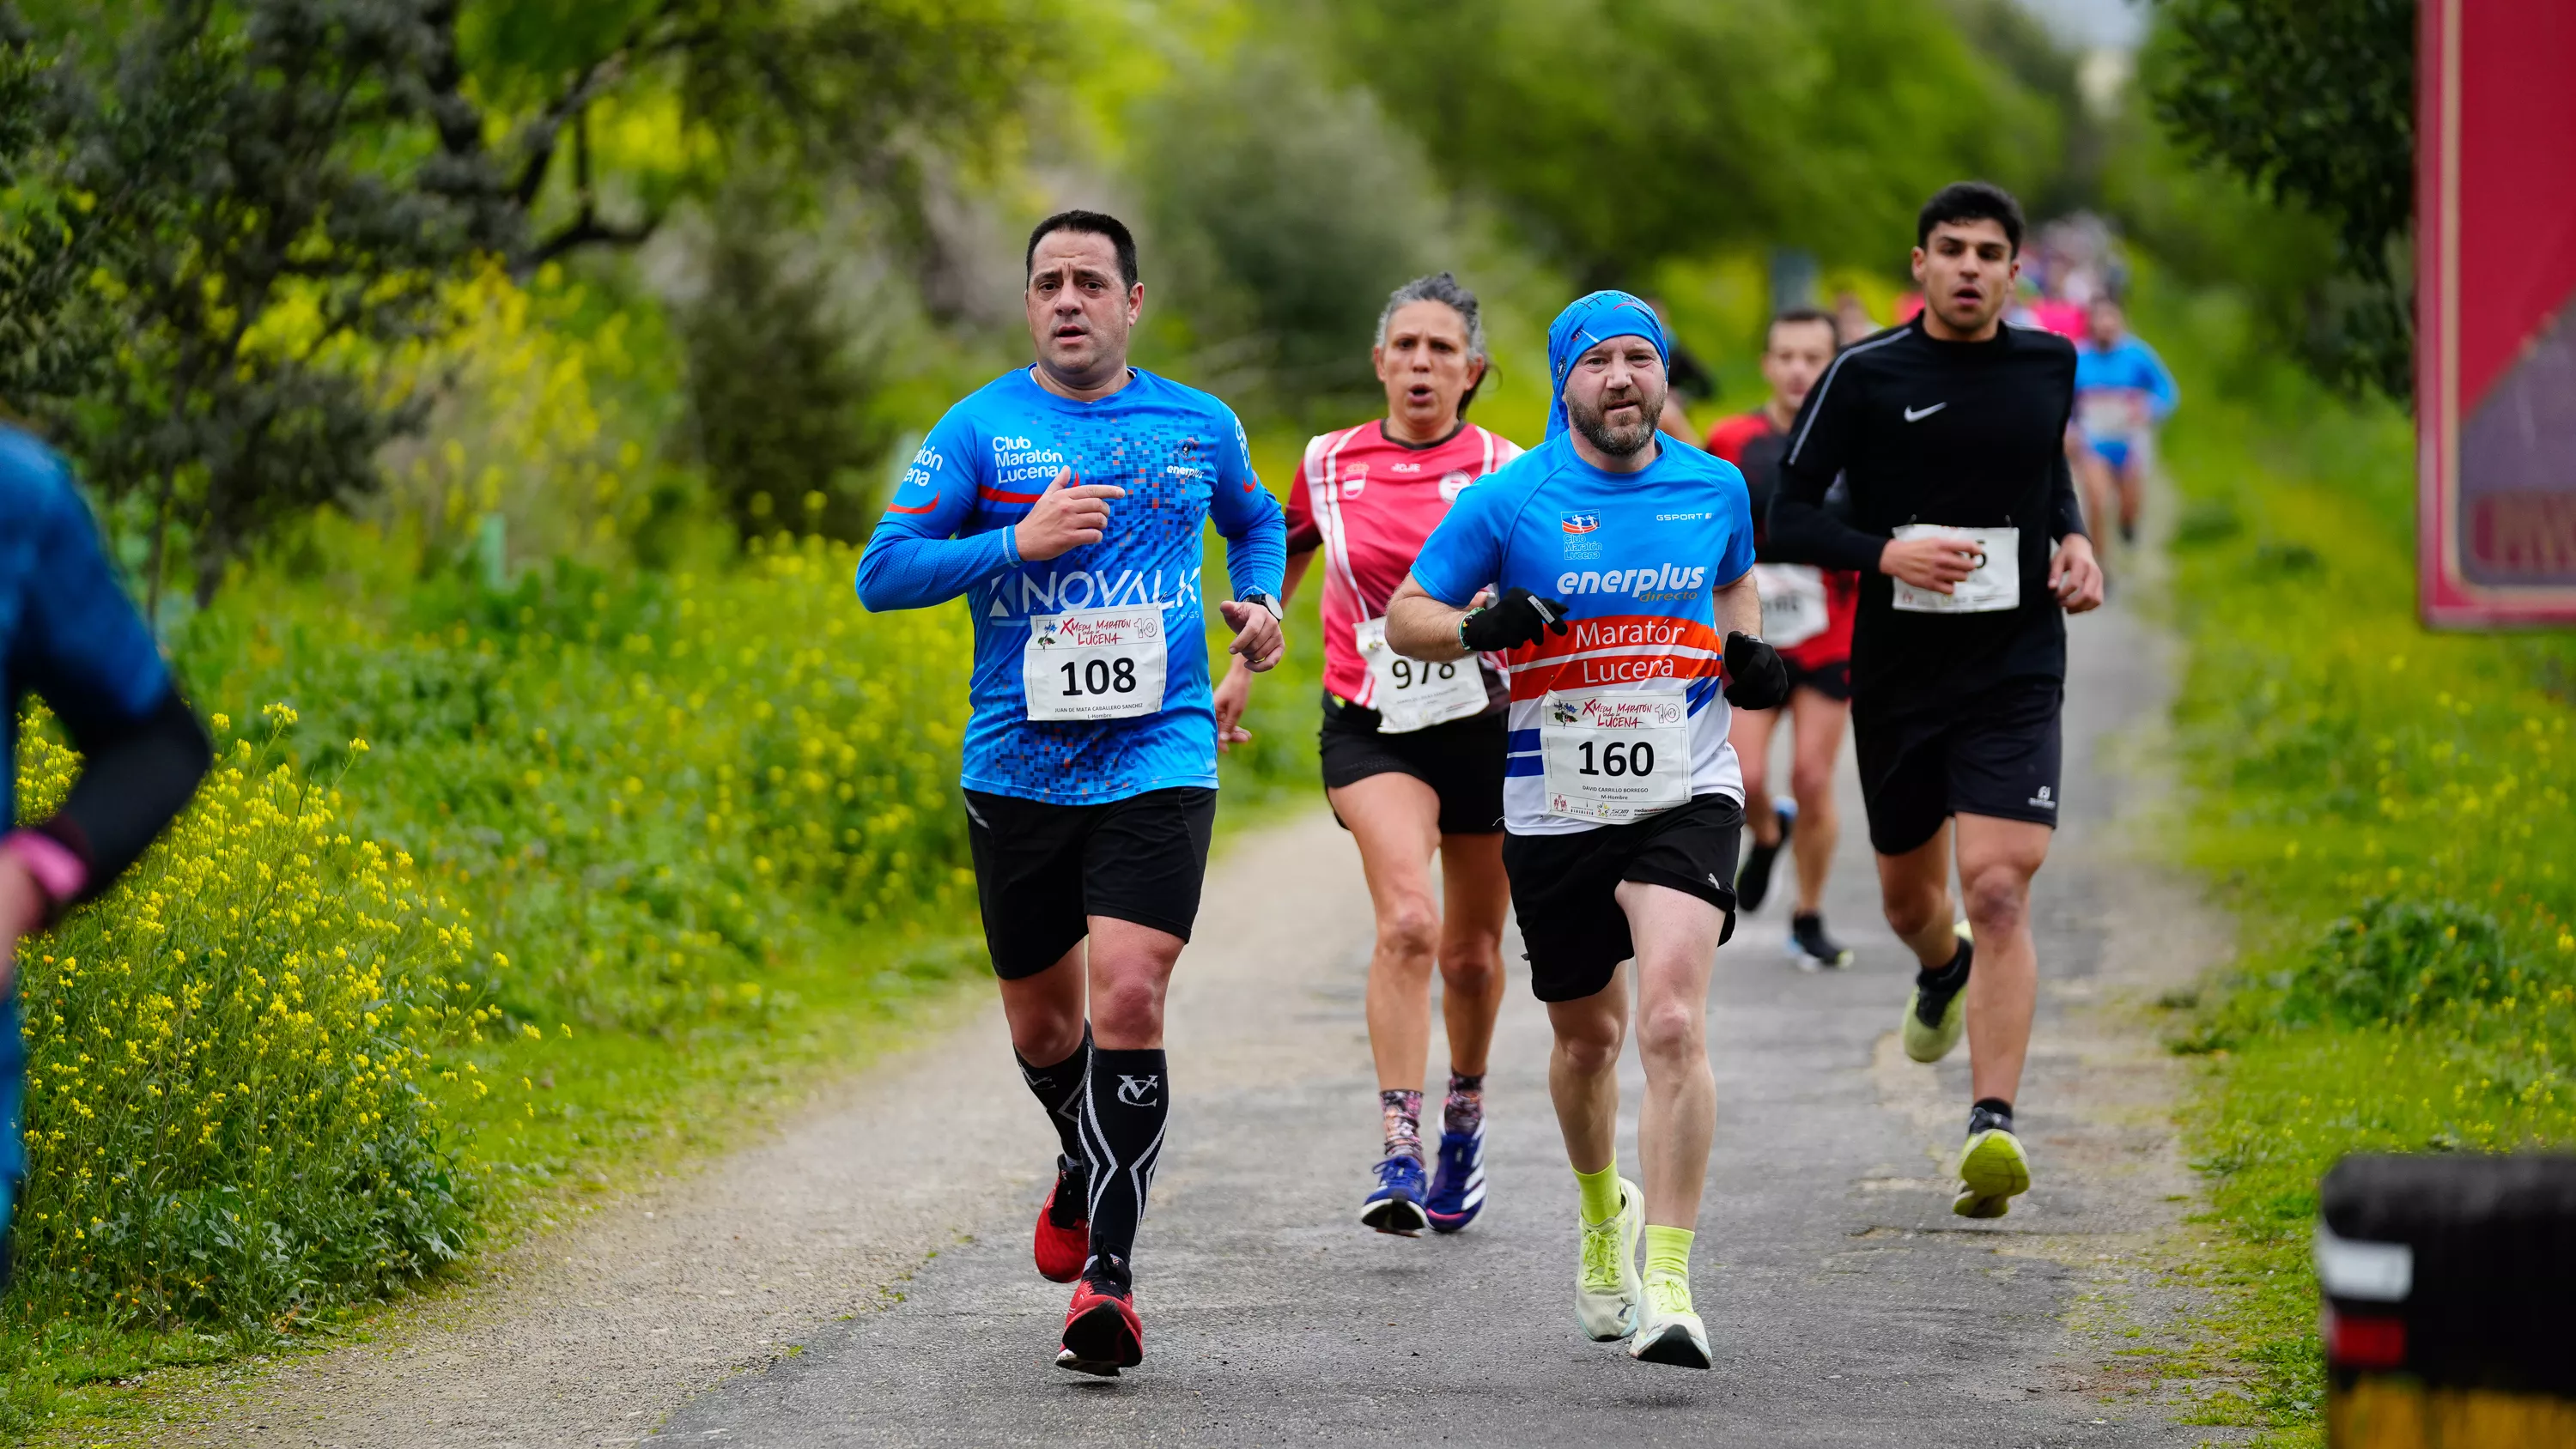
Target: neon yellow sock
(1600, 1193)
(1668, 1250)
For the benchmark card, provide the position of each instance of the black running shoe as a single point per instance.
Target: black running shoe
(1811, 948)
(1753, 882)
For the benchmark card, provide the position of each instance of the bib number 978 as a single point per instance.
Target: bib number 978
(1410, 694)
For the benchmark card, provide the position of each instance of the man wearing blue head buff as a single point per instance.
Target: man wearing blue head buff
(1627, 615)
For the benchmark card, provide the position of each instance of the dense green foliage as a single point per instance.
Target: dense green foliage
(2312, 104)
(1822, 124)
(2388, 807)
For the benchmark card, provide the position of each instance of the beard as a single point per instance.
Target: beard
(1620, 442)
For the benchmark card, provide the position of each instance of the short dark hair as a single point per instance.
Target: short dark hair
(1970, 201)
(1792, 316)
(1093, 223)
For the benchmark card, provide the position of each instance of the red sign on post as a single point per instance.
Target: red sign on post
(2495, 308)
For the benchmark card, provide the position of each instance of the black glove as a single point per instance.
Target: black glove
(1755, 677)
(1518, 618)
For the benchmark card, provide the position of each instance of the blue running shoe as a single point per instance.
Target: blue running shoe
(1396, 1206)
(1458, 1188)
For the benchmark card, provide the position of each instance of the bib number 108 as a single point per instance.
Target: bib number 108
(1618, 757)
(1099, 676)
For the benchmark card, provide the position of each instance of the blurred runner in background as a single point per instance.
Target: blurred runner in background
(1065, 501)
(1807, 616)
(2122, 395)
(69, 636)
(1412, 752)
(1852, 322)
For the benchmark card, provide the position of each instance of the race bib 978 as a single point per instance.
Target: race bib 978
(1410, 694)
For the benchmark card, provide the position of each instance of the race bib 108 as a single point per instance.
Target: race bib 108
(1095, 663)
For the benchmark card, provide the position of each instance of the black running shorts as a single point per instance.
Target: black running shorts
(1041, 870)
(1565, 887)
(1995, 753)
(1833, 681)
(1462, 761)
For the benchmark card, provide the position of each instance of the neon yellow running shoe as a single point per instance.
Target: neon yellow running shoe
(1934, 1020)
(1667, 1330)
(1993, 1171)
(1606, 1289)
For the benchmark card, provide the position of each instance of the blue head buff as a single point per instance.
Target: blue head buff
(1587, 322)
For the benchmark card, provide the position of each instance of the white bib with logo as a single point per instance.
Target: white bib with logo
(1793, 603)
(1095, 663)
(1993, 588)
(2110, 416)
(1612, 757)
(1411, 695)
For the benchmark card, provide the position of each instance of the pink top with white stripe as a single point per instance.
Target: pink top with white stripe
(1367, 503)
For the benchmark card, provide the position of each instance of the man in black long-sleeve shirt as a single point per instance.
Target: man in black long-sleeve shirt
(1950, 435)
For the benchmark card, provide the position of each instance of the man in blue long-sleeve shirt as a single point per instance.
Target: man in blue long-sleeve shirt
(1065, 502)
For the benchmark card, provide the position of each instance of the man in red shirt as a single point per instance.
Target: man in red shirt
(1412, 751)
(1807, 616)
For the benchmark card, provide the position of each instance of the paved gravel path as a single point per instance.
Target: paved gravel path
(884, 1238)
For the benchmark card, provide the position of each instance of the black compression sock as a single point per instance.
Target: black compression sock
(1122, 1124)
(1059, 1089)
(1989, 1112)
(1950, 977)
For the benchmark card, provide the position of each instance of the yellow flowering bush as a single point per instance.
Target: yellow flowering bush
(648, 787)
(226, 1113)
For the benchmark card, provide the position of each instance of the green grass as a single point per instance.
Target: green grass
(2387, 810)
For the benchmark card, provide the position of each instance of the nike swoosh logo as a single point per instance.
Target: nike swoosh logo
(1913, 416)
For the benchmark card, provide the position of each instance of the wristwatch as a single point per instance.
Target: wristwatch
(1278, 610)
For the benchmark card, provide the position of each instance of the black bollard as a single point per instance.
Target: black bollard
(2450, 1301)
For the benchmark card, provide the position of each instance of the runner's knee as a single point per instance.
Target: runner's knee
(1590, 1047)
(1998, 898)
(1130, 1010)
(1812, 781)
(1409, 932)
(1915, 910)
(1473, 967)
(1671, 1031)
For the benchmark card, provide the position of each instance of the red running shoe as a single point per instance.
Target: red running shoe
(1101, 1331)
(1064, 1232)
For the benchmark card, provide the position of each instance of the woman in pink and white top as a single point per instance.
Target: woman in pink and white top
(1412, 752)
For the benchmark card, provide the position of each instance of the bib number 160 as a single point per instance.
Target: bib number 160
(1618, 757)
(1099, 676)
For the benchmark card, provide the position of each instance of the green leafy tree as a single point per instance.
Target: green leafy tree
(1625, 133)
(879, 92)
(1283, 210)
(261, 214)
(778, 387)
(2312, 103)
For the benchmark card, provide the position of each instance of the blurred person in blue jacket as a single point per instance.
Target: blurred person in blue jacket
(2122, 394)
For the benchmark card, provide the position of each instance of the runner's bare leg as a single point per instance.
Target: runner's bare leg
(1676, 935)
(1997, 859)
